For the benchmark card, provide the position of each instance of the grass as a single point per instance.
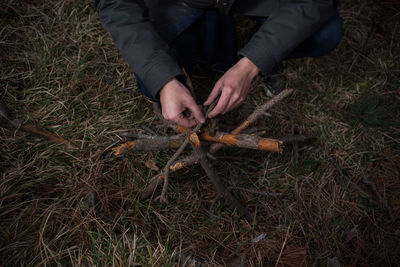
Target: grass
(58, 206)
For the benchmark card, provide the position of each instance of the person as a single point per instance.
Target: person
(159, 37)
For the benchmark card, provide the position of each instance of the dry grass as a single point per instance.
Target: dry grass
(60, 206)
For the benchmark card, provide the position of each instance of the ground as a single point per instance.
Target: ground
(338, 198)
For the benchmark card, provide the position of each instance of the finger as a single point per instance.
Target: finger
(214, 93)
(231, 105)
(196, 111)
(184, 121)
(234, 102)
(222, 102)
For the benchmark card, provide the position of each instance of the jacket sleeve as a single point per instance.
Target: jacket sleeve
(139, 43)
(290, 23)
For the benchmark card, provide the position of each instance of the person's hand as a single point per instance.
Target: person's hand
(233, 87)
(176, 100)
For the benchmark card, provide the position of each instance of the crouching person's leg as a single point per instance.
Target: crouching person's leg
(320, 43)
(323, 41)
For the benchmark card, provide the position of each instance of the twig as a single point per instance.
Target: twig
(254, 116)
(245, 141)
(166, 169)
(147, 129)
(176, 155)
(254, 130)
(155, 181)
(149, 143)
(221, 190)
(32, 129)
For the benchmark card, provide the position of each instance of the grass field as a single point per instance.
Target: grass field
(339, 197)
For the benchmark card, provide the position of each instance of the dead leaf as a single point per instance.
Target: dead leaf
(258, 238)
(151, 165)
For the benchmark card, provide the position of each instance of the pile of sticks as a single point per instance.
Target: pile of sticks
(196, 137)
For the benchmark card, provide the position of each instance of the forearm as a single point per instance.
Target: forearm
(287, 26)
(139, 43)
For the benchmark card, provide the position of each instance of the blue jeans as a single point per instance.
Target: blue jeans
(184, 39)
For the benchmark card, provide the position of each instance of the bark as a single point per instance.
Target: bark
(260, 111)
(219, 186)
(244, 141)
(150, 143)
(155, 181)
(32, 129)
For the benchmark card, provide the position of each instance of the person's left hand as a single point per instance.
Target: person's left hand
(233, 87)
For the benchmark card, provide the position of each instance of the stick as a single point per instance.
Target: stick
(254, 116)
(178, 152)
(166, 169)
(220, 188)
(149, 143)
(245, 141)
(155, 181)
(29, 128)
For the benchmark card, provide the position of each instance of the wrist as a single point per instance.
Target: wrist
(249, 67)
(168, 87)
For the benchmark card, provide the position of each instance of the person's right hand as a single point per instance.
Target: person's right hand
(175, 99)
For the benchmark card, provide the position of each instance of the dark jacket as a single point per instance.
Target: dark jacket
(137, 26)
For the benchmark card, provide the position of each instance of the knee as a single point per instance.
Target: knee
(328, 37)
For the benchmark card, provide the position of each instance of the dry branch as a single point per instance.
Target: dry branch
(244, 141)
(260, 111)
(252, 118)
(149, 143)
(32, 129)
(247, 141)
(155, 181)
(220, 188)
(191, 137)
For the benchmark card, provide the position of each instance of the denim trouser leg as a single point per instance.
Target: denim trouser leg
(323, 41)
